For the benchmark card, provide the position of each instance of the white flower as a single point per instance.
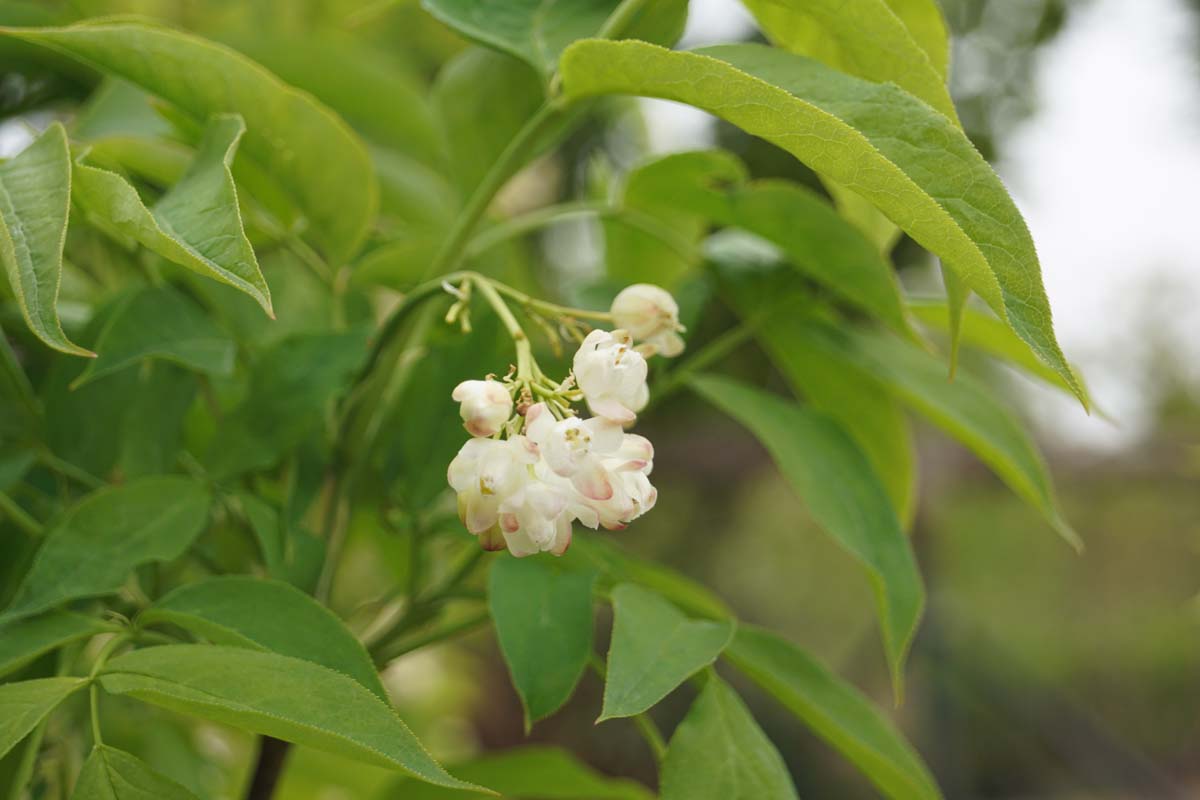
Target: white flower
(611, 375)
(650, 315)
(486, 406)
(535, 519)
(572, 448)
(485, 473)
(628, 471)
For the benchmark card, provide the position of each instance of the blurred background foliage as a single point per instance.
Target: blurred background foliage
(1036, 674)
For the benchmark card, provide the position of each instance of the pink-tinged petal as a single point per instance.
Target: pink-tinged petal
(479, 427)
(481, 512)
(519, 544)
(538, 422)
(610, 408)
(607, 435)
(632, 466)
(562, 536)
(509, 523)
(586, 516)
(592, 482)
(670, 344)
(636, 448)
(613, 525)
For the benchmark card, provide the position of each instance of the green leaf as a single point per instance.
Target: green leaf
(537, 31)
(160, 322)
(289, 389)
(528, 773)
(196, 224)
(816, 241)
(274, 695)
(112, 774)
(350, 76)
(35, 197)
(22, 411)
(927, 26)
(875, 139)
(989, 335)
(268, 530)
(964, 407)
(152, 431)
(24, 640)
(290, 136)
(836, 711)
(957, 295)
(862, 214)
(482, 98)
(866, 38)
(652, 189)
(718, 752)
(99, 542)
(654, 648)
(26, 703)
(844, 496)
(270, 615)
(543, 620)
(759, 288)
(117, 108)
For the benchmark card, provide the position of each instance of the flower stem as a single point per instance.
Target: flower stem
(510, 161)
(390, 651)
(525, 365)
(93, 700)
(69, 470)
(715, 350)
(20, 517)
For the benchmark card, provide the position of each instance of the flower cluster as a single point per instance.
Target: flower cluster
(526, 477)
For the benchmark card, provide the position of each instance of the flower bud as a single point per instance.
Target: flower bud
(612, 375)
(486, 406)
(650, 315)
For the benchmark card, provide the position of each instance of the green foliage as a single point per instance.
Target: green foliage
(315, 156)
(528, 773)
(654, 649)
(195, 224)
(242, 517)
(26, 703)
(266, 615)
(867, 38)
(844, 496)
(719, 753)
(35, 197)
(92, 551)
(947, 198)
(110, 774)
(543, 622)
(711, 186)
(24, 640)
(160, 322)
(270, 694)
(537, 31)
(835, 710)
